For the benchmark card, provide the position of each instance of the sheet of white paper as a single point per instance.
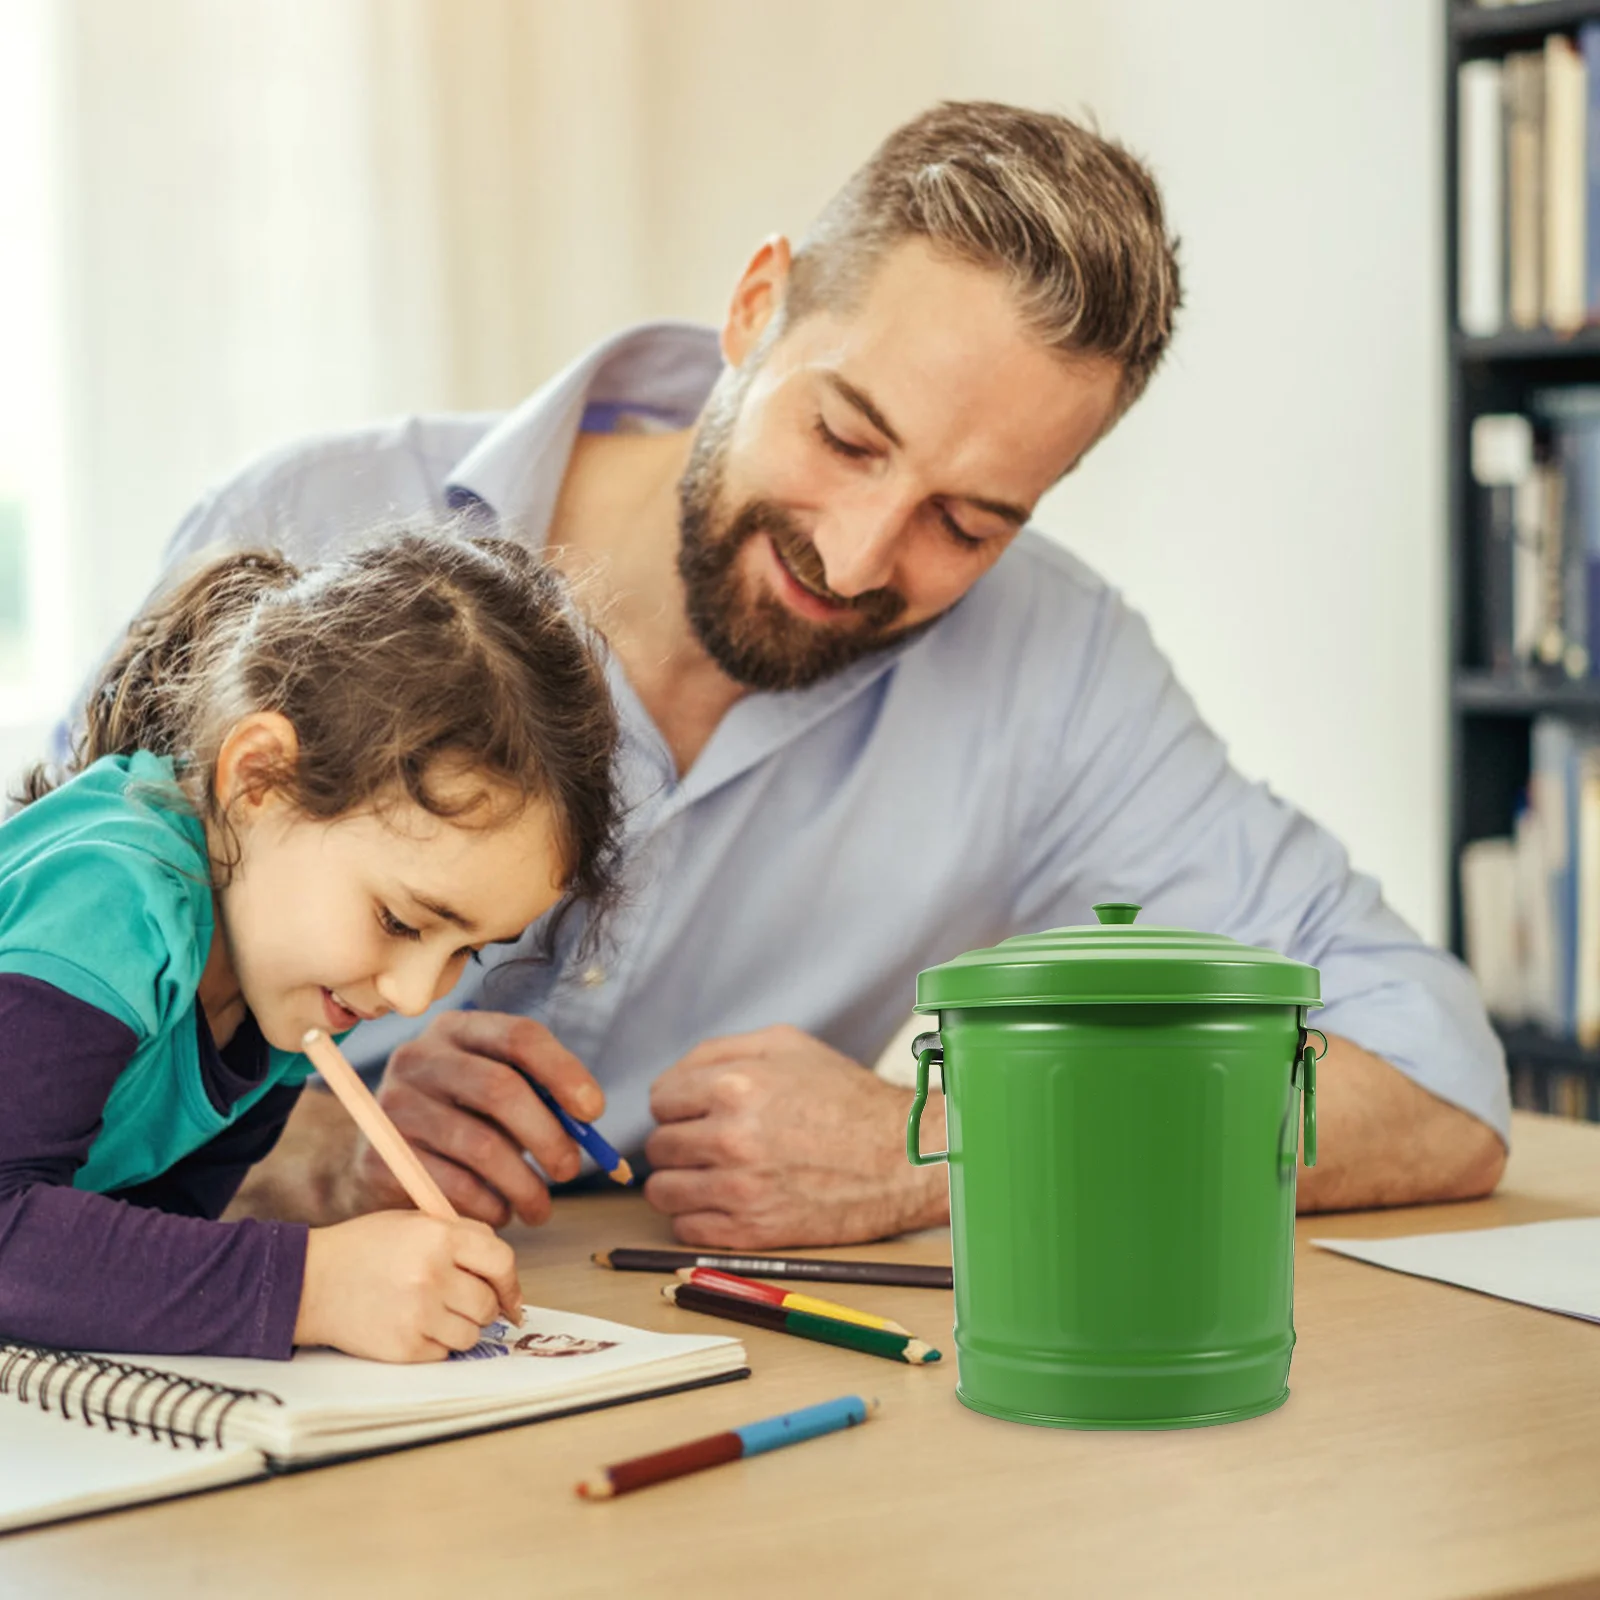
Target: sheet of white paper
(1552, 1265)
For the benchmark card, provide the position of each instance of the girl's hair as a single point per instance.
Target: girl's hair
(422, 655)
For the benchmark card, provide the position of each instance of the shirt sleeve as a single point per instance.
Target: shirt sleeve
(1137, 801)
(89, 1271)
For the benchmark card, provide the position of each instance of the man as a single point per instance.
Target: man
(870, 721)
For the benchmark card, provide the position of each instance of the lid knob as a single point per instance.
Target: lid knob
(1114, 911)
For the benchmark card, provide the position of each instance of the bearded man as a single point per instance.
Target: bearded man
(870, 719)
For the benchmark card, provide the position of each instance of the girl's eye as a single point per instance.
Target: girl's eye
(473, 954)
(851, 452)
(956, 532)
(394, 927)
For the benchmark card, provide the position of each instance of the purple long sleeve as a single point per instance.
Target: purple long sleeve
(102, 1272)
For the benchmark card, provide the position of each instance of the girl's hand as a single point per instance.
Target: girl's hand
(400, 1286)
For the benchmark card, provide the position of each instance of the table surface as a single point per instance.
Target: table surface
(1435, 1442)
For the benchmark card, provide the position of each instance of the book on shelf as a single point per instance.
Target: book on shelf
(1566, 105)
(1528, 187)
(1481, 288)
(1535, 557)
(81, 1432)
(1531, 902)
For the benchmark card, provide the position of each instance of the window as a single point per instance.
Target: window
(34, 648)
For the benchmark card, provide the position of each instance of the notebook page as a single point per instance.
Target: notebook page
(555, 1359)
(1552, 1265)
(52, 1468)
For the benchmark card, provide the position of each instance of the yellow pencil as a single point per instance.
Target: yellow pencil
(771, 1295)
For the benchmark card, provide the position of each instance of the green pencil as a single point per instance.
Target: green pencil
(805, 1324)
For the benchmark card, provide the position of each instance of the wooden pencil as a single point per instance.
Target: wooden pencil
(803, 1324)
(897, 1274)
(773, 1295)
(755, 1438)
(373, 1120)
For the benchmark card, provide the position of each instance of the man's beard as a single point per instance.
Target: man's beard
(757, 641)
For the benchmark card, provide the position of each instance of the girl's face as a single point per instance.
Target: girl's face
(326, 924)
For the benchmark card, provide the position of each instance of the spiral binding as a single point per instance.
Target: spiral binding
(195, 1412)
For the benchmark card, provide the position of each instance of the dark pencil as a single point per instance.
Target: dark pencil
(826, 1330)
(902, 1274)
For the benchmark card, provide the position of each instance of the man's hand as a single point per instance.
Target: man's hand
(459, 1094)
(769, 1139)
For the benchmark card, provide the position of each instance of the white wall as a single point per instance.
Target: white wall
(1274, 504)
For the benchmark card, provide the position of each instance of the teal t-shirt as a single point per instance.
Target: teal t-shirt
(105, 893)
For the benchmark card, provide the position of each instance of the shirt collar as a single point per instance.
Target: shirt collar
(661, 369)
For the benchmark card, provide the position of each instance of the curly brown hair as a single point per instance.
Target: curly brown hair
(426, 645)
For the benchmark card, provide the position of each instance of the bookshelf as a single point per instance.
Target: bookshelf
(1491, 714)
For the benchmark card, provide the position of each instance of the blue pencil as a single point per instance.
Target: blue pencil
(753, 1439)
(581, 1133)
(606, 1158)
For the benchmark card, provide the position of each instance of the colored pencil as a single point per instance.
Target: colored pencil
(847, 1335)
(373, 1120)
(771, 1295)
(899, 1274)
(585, 1135)
(588, 1137)
(754, 1439)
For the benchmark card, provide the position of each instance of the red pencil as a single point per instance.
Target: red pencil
(770, 1294)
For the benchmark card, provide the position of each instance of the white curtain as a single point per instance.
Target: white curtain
(289, 215)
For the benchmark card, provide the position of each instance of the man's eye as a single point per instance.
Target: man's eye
(394, 927)
(851, 452)
(958, 533)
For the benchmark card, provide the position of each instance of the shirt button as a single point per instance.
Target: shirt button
(593, 977)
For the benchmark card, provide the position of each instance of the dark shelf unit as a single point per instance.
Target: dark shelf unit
(1488, 694)
(1486, 31)
(1491, 716)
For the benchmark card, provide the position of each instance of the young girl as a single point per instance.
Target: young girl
(300, 801)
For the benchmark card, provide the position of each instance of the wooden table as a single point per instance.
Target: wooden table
(1436, 1442)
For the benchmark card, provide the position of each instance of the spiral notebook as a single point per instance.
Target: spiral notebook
(81, 1432)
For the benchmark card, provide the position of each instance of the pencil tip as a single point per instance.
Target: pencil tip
(920, 1353)
(669, 1291)
(622, 1173)
(596, 1488)
(601, 1258)
(310, 1037)
(874, 1406)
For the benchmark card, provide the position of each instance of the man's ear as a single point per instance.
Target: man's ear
(756, 299)
(258, 753)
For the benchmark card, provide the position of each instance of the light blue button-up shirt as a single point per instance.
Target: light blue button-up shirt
(1032, 753)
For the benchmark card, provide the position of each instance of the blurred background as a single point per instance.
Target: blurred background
(226, 223)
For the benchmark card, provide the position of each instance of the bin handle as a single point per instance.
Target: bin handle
(927, 1049)
(1307, 1077)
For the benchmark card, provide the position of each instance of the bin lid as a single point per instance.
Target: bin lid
(1113, 962)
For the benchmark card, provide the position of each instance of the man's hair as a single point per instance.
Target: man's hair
(1072, 220)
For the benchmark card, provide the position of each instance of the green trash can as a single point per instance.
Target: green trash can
(1124, 1107)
